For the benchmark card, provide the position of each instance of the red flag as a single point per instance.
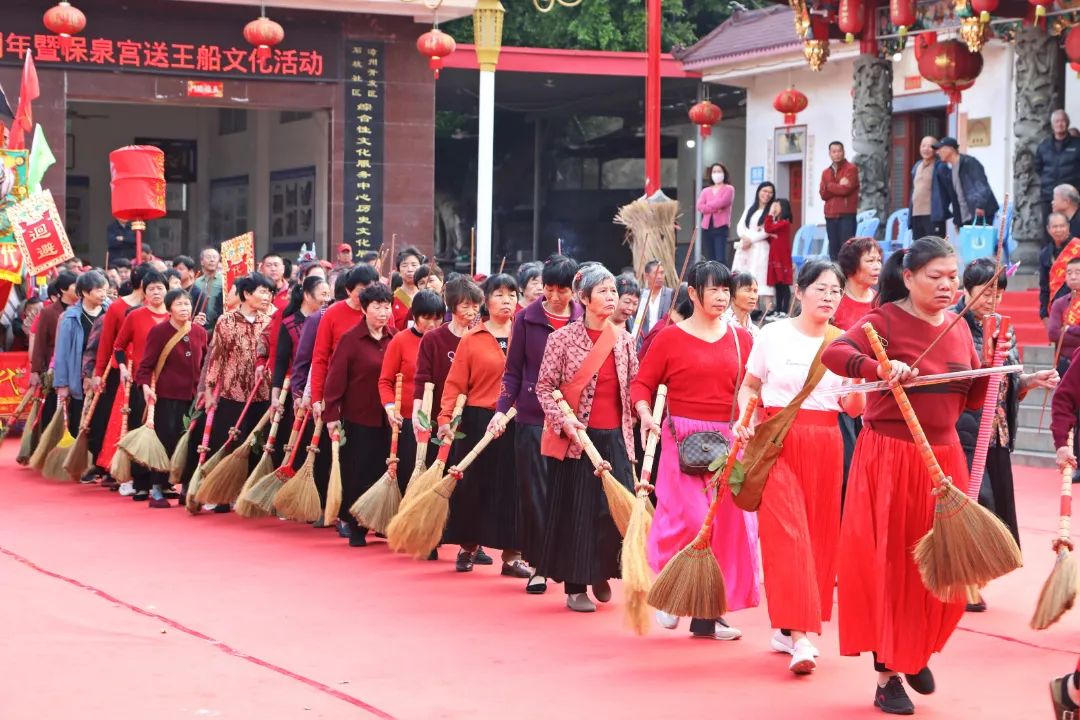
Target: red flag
(1057, 270)
(24, 115)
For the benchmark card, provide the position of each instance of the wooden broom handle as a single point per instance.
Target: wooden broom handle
(204, 446)
(235, 429)
(294, 436)
(650, 444)
(444, 449)
(1065, 521)
(283, 395)
(937, 476)
(395, 431)
(298, 430)
(316, 436)
(466, 461)
(126, 410)
(422, 436)
(93, 403)
(705, 534)
(583, 437)
(150, 405)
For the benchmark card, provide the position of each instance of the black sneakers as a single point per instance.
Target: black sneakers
(892, 699)
(481, 558)
(464, 561)
(923, 683)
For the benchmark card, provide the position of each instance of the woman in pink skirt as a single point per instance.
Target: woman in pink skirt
(701, 360)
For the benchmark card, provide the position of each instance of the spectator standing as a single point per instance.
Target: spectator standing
(209, 286)
(186, 268)
(1062, 328)
(1057, 160)
(1057, 226)
(929, 208)
(656, 305)
(971, 196)
(840, 191)
(714, 204)
(778, 225)
(122, 266)
(752, 248)
(1066, 200)
(629, 299)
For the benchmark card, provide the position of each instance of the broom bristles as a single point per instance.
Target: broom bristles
(54, 462)
(78, 456)
(30, 435)
(50, 436)
(299, 499)
(636, 573)
(419, 526)
(378, 506)
(968, 545)
(222, 485)
(264, 491)
(144, 448)
(1058, 593)
(421, 483)
(244, 507)
(620, 501)
(178, 461)
(691, 585)
(120, 467)
(193, 505)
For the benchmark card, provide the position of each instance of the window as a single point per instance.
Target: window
(289, 116)
(228, 208)
(231, 121)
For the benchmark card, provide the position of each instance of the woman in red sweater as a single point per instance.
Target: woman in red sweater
(427, 312)
(130, 345)
(702, 360)
(352, 401)
(883, 605)
(407, 262)
(484, 508)
(778, 225)
(173, 388)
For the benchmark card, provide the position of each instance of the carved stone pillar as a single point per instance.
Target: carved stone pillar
(1038, 75)
(871, 131)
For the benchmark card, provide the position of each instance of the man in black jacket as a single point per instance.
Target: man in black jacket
(970, 190)
(1057, 159)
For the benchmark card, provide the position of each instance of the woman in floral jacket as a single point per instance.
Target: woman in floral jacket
(581, 543)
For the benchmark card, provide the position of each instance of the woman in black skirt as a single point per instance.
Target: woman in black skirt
(172, 388)
(581, 542)
(351, 394)
(484, 506)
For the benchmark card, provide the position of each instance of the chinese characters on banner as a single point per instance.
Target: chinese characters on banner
(13, 380)
(39, 233)
(363, 189)
(238, 257)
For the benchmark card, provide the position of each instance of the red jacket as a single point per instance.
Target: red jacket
(840, 199)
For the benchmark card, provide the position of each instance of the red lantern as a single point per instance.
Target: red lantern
(922, 42)
(850, 19)
(138, 187)
(985, 8)
(790, 102)
(64, 19)
(435, 45)
(705, 114)
(264, 33)
(951, 66)
(902, 14)
(1040, 8)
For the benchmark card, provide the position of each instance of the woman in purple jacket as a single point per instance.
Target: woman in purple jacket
(527, 341)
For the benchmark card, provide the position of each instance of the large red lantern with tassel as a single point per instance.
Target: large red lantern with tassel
(790, 102)
(922, 42)
(985, 8)
(850, 18)
(705, 114)
(64, 19)
(264, 34)
(952, 67)
(435, 45)
(902, 14)
(138, 187)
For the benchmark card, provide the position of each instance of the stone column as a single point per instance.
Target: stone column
(871, 131)
(1039, 68)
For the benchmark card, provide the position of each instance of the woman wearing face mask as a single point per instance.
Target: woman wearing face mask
(799, 516)
(752, 247)
(883, 605)
(484, 507)
(407, 262)
(714, 204)
(530, 335)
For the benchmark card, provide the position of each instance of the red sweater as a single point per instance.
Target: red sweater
(840, 198)
(433, 359)
(938, 407)
(477, 372)
(110, 328)
(131, 340)
(352, 384)
(702, 378)
(400, 358)
(179, 379)
(45, 338)
(338, 319)
(850, 312)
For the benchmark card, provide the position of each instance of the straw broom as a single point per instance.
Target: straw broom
(422, 524)
(333, 488)
(13, 417)
(423, 436)
(265, 466)
(423, 482)
(636, 574)
(31, 432)
(207, 466)
(178, 461)
(967, 545)
(120, 467)
(78, 458)
(142, 444)
(222, 485)
(54, 461)
(378, 505)
(620, 500)
(50, 436)
(299, 499)
(196, 477)
(1059, 592)
(263, 492)
(692, 584)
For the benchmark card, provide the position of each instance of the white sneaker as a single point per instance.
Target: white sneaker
(783, 643)
(127, 489)
(802, 659)
(725, 631)
(667, 620)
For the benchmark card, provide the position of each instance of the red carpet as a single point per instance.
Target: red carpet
(114, 611)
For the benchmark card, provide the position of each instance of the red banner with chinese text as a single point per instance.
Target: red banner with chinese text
(1057, 270)
(14, 380)
(39, 233)
(238, 257)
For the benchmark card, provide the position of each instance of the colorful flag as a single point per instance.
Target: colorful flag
(24, 115)
(1057, 270)
(238, 256)
(41, 159)
(39, 233)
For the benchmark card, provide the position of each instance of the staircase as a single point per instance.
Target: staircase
(1022, 306)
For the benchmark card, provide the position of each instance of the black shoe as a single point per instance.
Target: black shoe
(92, 476)
(343, 529)
(141, 496)
(222, 508)
(923, 682)
(171, 494)
(464, 561)
(892, 699)
(434, 555)
(481, 558)
(358, 539)
(1064, 707)
(537, 585)
(976, 607)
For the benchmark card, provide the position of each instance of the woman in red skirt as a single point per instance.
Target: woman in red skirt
(799, 517)
(883, 605)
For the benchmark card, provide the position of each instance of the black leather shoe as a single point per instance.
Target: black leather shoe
(464, 561)
(923, 682)
(892, 699)
(481, 558)
(343, 529)
(358, 539)
(141, 496)
(976, 607)
(434, 554)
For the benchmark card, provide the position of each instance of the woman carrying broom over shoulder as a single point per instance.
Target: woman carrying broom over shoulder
(532, 326)
(883, 605)
(169, 377)
(351, 394)
(799, 516)
(702, 360)
(484, 507)
(581, 542)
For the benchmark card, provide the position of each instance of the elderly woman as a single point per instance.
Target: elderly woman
(581, 543)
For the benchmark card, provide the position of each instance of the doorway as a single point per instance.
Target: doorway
(908, 130)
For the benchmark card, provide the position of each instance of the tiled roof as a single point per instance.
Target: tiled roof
(744, 34)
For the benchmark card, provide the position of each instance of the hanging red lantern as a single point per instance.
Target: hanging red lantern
(922, 42)
(705, 115)
(902, 15)
(850, 19)
(952, 67)
(264, 33)
(985, 8)
(1072, 48)
(64, 19)
(435, 45)
(138, 187)
(1040, 7)
(790, 102)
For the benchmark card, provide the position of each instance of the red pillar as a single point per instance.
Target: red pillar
(868, 41)
(652, 98)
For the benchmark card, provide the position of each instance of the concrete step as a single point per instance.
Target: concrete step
(1042, 355)
(1028, 418)
(1035, 399)
(1034, 459)
(1032, 440)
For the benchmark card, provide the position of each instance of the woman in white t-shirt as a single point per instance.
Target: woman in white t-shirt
(799, 517)
(752, 245)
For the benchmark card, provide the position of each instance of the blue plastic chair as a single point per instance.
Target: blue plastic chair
(896, 232)
(864, 216)
(800, 246)
(867, 227)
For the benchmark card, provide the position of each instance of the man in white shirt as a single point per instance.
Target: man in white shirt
(655, 301)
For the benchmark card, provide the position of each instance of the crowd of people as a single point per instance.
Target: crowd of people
(316, 344)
